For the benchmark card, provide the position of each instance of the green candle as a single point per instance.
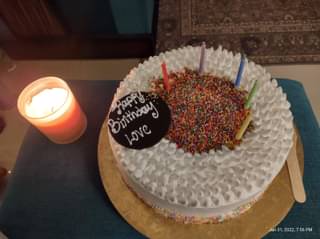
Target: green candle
(252, 92)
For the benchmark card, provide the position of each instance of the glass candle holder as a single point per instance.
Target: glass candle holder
(49, 105)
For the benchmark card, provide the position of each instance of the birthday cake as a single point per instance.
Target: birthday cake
(201, 170)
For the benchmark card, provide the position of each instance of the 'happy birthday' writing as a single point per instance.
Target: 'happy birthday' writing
(133, 98)
(125, 118)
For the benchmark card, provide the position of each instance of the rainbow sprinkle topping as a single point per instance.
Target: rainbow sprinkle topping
(207, 111)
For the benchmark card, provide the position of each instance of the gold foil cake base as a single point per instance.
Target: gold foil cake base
(265, 214)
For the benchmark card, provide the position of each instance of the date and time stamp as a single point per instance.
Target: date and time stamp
(300, 229)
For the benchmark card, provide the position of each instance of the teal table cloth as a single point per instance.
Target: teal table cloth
(55, 191)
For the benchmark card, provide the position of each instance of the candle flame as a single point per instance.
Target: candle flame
(46, 102)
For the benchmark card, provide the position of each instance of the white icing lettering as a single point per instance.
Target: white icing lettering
(146, 129)
(154, 114)
(128, 101)
(115, 126)
(130, 116)
(137, 134)
(141, 98)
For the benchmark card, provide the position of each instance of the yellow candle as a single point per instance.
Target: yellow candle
(49, 105)
(244, 126)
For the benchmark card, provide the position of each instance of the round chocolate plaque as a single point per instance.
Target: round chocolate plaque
(139, 120)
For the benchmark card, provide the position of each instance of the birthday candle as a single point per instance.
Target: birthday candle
(244, 126)
(240, 71)
(251, 95)
(165, 76)
(202, 56)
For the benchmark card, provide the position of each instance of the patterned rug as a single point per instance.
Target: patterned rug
(268, 31)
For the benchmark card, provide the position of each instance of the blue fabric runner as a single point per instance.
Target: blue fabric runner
(303, 221)
(55, 190)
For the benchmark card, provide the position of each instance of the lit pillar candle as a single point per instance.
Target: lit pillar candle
(49, 105)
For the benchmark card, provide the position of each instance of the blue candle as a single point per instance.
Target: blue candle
(202, 56)
(240, 71)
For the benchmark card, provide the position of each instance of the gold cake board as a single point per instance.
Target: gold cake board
(265, 214)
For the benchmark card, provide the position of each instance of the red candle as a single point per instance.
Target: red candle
(49, 105)
(165, 76)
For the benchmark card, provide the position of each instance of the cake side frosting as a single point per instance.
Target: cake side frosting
(214, 179)
(187, 215)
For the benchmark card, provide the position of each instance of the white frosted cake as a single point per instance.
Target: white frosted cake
(215, 184)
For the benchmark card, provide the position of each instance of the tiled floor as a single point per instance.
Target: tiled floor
(11, 138)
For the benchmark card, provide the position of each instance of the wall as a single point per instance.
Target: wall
(106, 16)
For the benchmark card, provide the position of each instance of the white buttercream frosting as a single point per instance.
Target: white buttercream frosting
(219, 180)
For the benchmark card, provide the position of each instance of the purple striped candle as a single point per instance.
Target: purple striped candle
(202, 57)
